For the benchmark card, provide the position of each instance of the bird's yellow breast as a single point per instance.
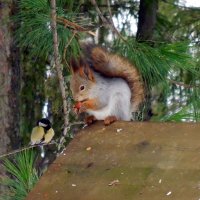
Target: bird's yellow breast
(37, 134)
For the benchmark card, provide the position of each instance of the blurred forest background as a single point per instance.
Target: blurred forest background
(161, 37)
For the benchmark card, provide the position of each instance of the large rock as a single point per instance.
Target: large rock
(125, 161)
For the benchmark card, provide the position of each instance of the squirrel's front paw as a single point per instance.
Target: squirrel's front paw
(82, 109)
(90, 119)
(109, 120)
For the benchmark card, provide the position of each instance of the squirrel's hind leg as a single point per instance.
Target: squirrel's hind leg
(90, 119)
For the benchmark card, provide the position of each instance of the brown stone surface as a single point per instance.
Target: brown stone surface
(154, 161)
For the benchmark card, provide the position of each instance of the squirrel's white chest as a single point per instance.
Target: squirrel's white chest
(120, 108)
(117, 101)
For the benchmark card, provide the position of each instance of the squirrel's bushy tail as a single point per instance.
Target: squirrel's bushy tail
(113, 65)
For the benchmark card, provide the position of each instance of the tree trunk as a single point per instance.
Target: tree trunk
(147, 19)
(146, 24)
(9, 81)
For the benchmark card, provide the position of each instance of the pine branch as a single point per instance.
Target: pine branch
(58, 64)
(74, 26)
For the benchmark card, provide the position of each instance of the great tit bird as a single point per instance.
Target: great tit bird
(42, 133)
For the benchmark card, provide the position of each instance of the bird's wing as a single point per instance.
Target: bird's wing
(48, 136)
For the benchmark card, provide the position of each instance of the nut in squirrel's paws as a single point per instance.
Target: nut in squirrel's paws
(109, 120)
(90, 119)
(79, 108)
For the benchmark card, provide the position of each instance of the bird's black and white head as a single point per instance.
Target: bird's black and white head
(45, 123)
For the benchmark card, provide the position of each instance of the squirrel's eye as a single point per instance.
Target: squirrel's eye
(82, 87)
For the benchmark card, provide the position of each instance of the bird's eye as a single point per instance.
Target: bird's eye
(82, 87)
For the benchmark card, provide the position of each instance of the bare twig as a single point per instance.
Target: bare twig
(104, 20)
(110, 13)
(183, 84)
(107, 23)
(77, 123)
(112, 23)
(25, 148)
(66, 104)
(65, 49)
(57, 65)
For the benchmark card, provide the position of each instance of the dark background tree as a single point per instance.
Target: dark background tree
(145, 32)
(146, 20)
(9, 81)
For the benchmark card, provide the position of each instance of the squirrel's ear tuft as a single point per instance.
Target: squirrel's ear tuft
(74, 65)
(89, 73)
(82, 68)
(85, 70)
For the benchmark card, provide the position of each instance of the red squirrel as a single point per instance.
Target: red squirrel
(105, 85)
